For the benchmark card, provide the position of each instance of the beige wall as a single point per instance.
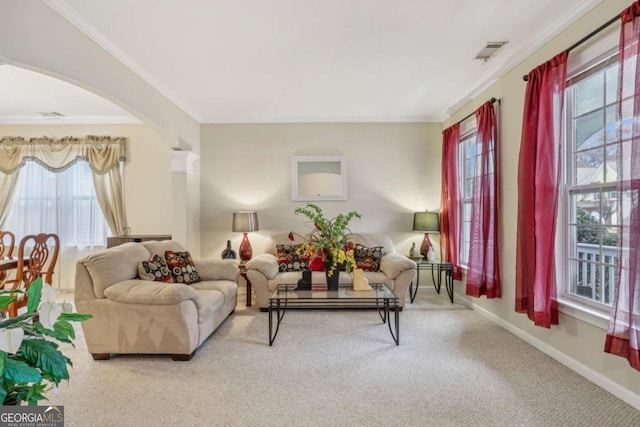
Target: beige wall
(147, 177)
(574, 342)
(392, 171)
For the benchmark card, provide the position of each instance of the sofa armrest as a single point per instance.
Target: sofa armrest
(266, 264)
(217, 269)
(393, 264)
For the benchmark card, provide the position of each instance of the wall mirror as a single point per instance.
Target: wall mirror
(318, 178)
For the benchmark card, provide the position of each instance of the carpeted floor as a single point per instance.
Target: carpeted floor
(341, 368)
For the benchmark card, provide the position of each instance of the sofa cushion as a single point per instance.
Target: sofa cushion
(114, 265)
(228, 288)
(159, 247)
(289, 260)
(156, 270)
(368, 258)
(145, 292)
(182, 267)
(217, 269)
(379, 277)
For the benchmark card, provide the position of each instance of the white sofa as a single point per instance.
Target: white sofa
(131, 315)
(396, 270)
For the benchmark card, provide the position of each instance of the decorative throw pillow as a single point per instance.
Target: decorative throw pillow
(368, 259)
(156, 270)
(182, 267)
(289, 260)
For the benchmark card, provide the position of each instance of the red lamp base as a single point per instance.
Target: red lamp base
(245, 250)
(425, 246)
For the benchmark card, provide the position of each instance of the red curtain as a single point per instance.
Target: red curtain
(538, 181)
(483, 276)
(623, 337)
(450, 221)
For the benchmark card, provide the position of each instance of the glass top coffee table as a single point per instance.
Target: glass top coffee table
(380, 297)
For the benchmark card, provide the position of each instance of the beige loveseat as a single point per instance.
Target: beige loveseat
(131, 315)
(396, 270)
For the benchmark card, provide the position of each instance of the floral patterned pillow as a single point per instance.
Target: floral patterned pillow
(368, 259)
(182, 267)
(289, 260)
(156, 269)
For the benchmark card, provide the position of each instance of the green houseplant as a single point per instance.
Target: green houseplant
(31, 362)
(329, 237)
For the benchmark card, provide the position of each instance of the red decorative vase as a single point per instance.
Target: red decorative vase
(245, 249)
(425, 246)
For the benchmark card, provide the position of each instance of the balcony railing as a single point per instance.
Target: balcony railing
(595, 273)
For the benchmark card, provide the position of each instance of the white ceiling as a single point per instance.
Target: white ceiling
(299, 60)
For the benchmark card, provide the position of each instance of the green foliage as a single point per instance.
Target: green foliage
(34, 293)
(330, 237)
(44, 355)
(328, 233)
(5, 300)
(588, 230)
(38, 364)
(20, 372)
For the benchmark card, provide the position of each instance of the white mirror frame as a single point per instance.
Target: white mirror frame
(315, 178)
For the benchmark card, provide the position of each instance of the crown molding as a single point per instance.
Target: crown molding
(103, 120)
(69, 14)
(337, 119)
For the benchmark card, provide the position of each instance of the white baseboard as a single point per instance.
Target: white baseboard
(595, 377)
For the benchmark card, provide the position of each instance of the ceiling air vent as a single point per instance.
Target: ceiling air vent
(51, 115)
(489, 50)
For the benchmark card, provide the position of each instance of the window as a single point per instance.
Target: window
(591, 183)
(468, 167)
(64, 203)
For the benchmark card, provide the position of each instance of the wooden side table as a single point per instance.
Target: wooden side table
(243, 273)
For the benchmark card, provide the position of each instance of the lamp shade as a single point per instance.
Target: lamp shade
(245, 221)
(426, 221)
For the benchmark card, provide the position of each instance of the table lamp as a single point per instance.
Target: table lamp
(427, 222)
(245, 222)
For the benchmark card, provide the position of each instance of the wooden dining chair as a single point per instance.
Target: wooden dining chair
(7, 242)
(37, 257)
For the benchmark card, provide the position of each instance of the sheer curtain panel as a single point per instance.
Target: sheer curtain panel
(450, 221)
(623, 337)
(483, 276)
(7, 187)
(538, 182)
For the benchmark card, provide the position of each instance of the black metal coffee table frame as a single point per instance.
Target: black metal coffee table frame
(382, 298)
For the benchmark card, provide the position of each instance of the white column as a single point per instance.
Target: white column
(185, 198)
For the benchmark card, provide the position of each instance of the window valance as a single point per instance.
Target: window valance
(103, 153)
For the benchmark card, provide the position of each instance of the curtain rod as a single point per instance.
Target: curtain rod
(585, 38)
(469, 115)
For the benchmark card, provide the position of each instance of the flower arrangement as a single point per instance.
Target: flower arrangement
(30, 360)
(329, 238)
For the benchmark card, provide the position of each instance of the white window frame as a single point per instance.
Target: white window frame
(583, 308)
(467, 136)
